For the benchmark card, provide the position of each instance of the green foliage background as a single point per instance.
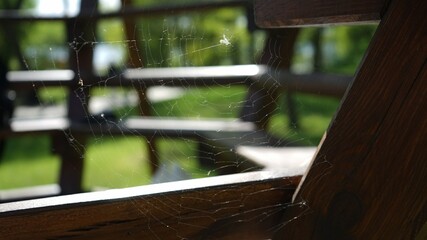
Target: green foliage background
(176, 40)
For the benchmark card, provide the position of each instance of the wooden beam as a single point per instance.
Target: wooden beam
(263, 76)
(194, 76)
(322, 84)
(369, 178)
(145, 77)
(200, 208)
(40, 78)
(291, 13)
(10, 195)
(161, 127)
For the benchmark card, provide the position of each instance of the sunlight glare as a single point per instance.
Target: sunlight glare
(49, 7)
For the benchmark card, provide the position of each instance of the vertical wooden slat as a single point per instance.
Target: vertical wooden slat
(135, 61)
(261, 102)
(71, 150)
(80, 36)
(368, 180)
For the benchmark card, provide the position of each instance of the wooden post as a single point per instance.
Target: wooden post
(368, 179)
(135, 61)
(71, 148)
(80, 36)
(278, 51)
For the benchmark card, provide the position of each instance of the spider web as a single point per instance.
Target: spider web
(184, 40)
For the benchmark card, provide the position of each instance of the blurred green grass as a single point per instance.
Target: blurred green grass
(116, 162)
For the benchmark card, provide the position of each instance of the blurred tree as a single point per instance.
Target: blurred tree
(10, 50)
(193, 39)
(345, 47)
(332, 49)
(9, 42)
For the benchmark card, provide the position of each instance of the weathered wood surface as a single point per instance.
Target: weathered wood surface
(286, 13)
(245, 205)
(369, 178)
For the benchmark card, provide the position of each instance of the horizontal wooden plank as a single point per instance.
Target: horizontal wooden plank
(197, 208)
(142, 77)
(217, 125)
(40, 78)
(322, 84)
(31, 126)
(135, 126)
(193, 76)
(36, 125)
(162, 127)
(315, 83)
(291, 13)
(9, 195)
(293, 159)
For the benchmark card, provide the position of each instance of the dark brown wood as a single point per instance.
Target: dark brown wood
(261, 100)
(286, 13)
(322, 84)
(79, 35)
(187, 209)
(72, 148)
(369, 178)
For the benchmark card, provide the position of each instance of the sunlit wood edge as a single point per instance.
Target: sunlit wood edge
(93, 198)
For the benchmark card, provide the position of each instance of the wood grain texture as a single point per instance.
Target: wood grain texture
(286, 13)
(369, 178)
(196, 209)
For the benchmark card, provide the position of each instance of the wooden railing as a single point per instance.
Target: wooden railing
(215, 136)
(139, 79)
(367, 180)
